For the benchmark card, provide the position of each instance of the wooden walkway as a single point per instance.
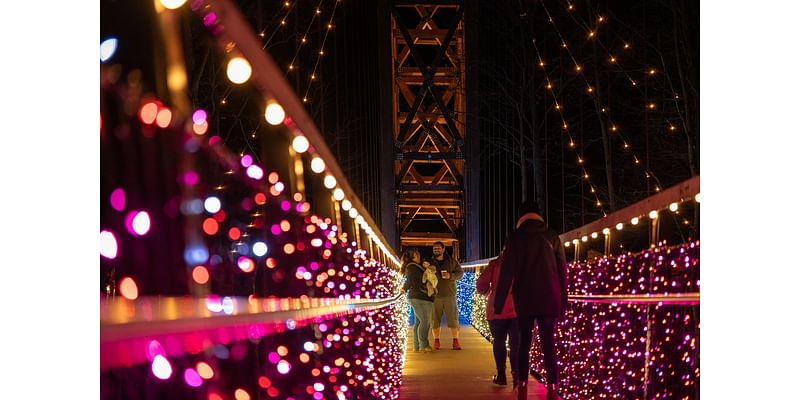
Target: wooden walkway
(459, 374)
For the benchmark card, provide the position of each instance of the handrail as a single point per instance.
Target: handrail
(678, 193)
(477, 263)
(185, 319)
(669, 298)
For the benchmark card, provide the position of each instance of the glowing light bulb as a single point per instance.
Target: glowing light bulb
(673, 207)
(239, 70)
(606, 231)
(330, 181)
(353, 213)
(566, 244)
(584, 238)
(172, 5)
(635, 221)
(317, 164)
(161, 367)
(128, 288)
(619, 226)
(107, 49)
(212, 204)
(653, 214)
(338, 194)
(300, 144)
(594, 235)
(346, 205)
(575, 241)
(697, 197)
(274, 113)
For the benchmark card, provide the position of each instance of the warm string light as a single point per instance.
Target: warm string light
(613, 60)
(289, 7)
(321, 49)
(571, 144)
(303, 39)
(646, 172)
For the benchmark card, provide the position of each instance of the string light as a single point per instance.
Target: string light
(239, 70)
(321, 49)
(274, 113)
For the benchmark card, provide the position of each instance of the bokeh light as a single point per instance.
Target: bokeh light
(260, 249)
(317, 164)
(239, 70)
(300, 144)
(128, 288)
(274, 113)
(192, 378)
(212, 204)
(107, 49)
(204, 370)
(148, 112)
(161, 367)
(200, 274)
(255, 172)
(108, 245)
(164, 117)
(138, 222)
(172, 4)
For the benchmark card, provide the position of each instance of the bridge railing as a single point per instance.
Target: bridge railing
(252, 275)
(633, 321)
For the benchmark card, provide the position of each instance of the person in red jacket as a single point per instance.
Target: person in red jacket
(534, 265)
(502, 325)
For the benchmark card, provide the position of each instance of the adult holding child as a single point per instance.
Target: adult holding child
(418, 297)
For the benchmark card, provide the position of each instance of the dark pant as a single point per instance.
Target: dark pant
(547, 330)
(502, 328)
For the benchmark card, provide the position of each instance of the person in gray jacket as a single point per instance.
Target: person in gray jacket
(445, 301)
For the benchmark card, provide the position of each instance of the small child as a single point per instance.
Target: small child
(429, 277)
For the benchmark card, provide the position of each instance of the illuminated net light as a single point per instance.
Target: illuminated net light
(161, 367)
(212, 204)
(107, 49)
(274, 113)
(164, 117)
(148, 112)
(200, 274)
(338, 194)
(634, 220)
(239, 70)
(260, 249)
(330, 181)
(673, 207)
(241, 394)
(317, 164)
(128, 289)
(172, 4)
(606, 231)
(346, 205)
(255, 172)
(619, 226)
(300, 144)
(353, 213)
(108, 245)
(653, 214)
(204, 370)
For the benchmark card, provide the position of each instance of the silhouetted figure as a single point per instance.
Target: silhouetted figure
(534, 265)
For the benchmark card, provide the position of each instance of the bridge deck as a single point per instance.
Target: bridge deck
(466, 374)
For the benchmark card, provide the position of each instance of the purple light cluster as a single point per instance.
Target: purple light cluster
(229, 231)
(632, 351)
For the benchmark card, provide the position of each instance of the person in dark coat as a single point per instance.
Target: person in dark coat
(535, 266)
(419, 299)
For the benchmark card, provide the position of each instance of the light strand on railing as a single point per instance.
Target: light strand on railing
(317, 12)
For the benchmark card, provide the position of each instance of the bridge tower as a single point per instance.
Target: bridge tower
(429, 109)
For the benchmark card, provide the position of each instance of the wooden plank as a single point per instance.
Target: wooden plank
(448, 374)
